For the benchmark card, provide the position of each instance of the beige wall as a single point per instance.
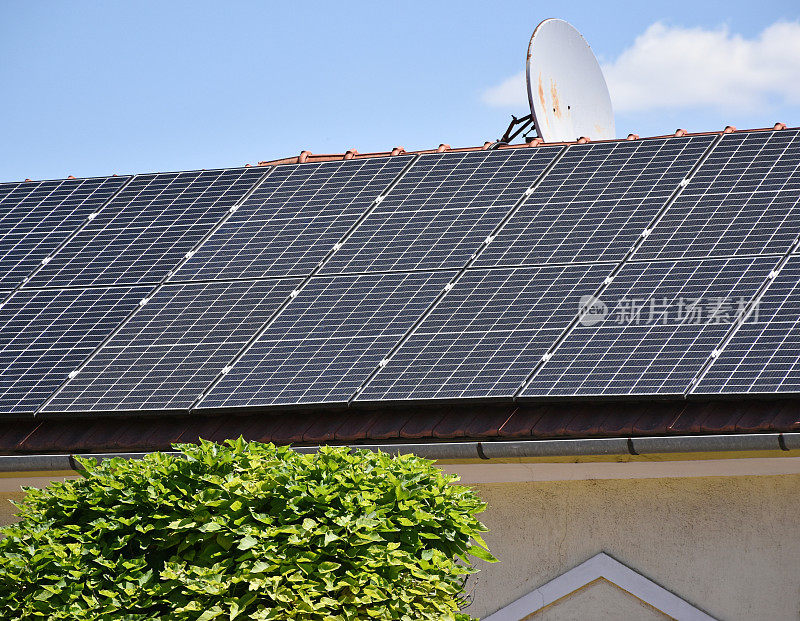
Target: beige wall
(728, 545)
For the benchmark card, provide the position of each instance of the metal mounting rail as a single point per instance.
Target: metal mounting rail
(246, 347)
(489, 239)
(622, 263)
(155, 288)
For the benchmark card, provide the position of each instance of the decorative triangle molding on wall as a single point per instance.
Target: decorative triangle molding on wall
(601, 566)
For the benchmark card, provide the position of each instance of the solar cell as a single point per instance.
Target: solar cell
(293, 220)
(742, 200)
(595, 202)
(487, 334)
(171, 350)
(147, 229)
(441, 210)
(663, 320)
(45, 335)
(763, 356)
(328, 340)
(37, 217)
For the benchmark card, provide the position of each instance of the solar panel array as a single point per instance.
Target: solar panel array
(145, 231)
(45, 335)
(37, 217)
(595, 203)
(170, 351)
(612, 270)
(328, 340)
(441, 211)
(487, 334)
(293, 220)
(743, 200)
(764, 355)
(664, 319)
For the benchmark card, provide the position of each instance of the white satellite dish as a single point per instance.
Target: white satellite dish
(567, 92)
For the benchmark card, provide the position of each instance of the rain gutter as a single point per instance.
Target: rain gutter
(487, 451)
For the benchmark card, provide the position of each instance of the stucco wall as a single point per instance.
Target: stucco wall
(729, 546)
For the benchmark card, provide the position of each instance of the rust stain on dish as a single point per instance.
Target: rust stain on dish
(554, 96)
(541, 92)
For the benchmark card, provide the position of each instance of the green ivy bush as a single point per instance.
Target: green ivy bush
(244, 531)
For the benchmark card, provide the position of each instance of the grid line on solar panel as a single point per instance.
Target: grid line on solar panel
(487, 334)
(294, 219)
(762, 357)
(141, 235)
(36, 218)
(45, 335)
(172, 349)
(441, 211)
(742, 200)
(596, 202)
(328, 340)
(662, 322)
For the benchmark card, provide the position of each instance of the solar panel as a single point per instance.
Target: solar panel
(45, 335)
(37, 217)
(595, 203)
(487, 334)
(171, 350)
(328, 340)
(742, 200)
(293, 220)
(441, 210)
(764, 355)
(147, 229)
(663, 320)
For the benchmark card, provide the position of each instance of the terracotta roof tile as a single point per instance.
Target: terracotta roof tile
(308, 157)
(521, 422)
(424, 424)
(421, 425)
(356, 427)
(454, 424)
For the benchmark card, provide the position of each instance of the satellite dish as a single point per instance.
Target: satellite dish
(566, 90)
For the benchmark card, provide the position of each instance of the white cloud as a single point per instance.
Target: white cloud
(510, 93)
(673, 68)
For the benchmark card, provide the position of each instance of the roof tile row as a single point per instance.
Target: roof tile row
(420, 424)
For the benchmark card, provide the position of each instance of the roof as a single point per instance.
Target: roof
(388, 426)
(430, 295)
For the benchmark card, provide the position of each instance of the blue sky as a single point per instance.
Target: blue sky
(93, 88)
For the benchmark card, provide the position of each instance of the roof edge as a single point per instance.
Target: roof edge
(307, 157)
